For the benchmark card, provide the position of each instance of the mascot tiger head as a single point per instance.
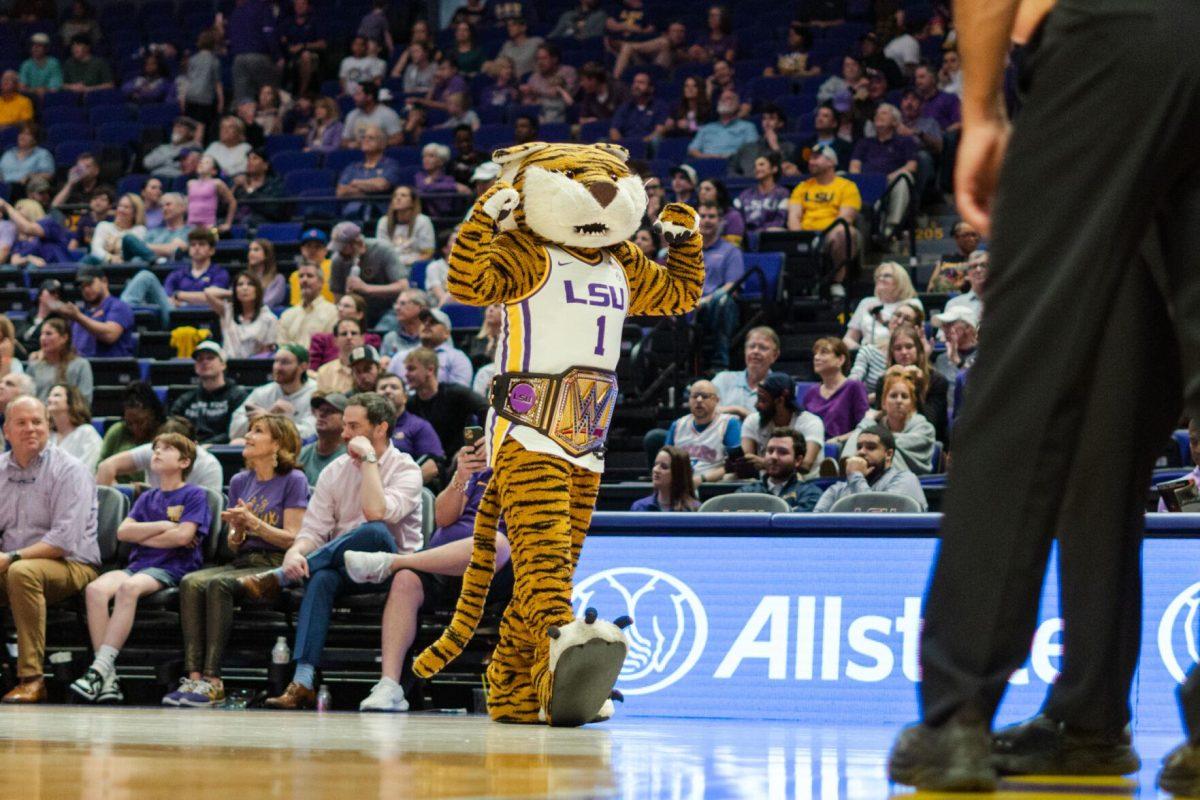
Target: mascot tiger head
(580, 195)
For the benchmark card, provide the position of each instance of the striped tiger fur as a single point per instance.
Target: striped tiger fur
(542, 198)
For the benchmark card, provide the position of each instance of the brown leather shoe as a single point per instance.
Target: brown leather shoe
(28, 691)
(261, 588)
(294, 698)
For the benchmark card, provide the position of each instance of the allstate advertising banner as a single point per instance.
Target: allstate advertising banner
(825, 630)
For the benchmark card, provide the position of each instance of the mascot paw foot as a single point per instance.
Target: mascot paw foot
(585, 660)
(500, 201)
(677, 223)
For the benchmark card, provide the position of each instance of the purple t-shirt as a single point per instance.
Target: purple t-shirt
(944, 108)
(436, 206)
(111, 309)
(723, 264)
(268, 500)
(457, 84)
(182, 279)
(884, 157)
(415, 436)
(760, 210)
(186, 504)
(51, 246)
(464, 526)
(842, 411)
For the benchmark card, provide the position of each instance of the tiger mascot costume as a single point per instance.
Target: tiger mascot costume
(550, 242)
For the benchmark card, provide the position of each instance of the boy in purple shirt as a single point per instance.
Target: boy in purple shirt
(166, 527)
(185, 286)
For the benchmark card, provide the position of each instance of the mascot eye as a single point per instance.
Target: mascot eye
(570, 173)
(613, 175)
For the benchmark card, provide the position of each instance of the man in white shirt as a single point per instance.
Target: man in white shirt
(368, 500)
(289, 393)
(905, 50)
(370, 112)
(777, 408)
(315, 314)
(360, 67)
(977, 274)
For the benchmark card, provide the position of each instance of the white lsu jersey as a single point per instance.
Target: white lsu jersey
(574, 318)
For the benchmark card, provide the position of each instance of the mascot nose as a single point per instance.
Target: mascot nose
(603, 191)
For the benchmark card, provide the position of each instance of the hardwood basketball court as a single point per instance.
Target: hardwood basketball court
(73, 753)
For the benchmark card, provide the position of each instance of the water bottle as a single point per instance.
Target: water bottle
(281, 656)
(324, 698)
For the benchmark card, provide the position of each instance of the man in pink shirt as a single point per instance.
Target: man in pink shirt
(366, 500)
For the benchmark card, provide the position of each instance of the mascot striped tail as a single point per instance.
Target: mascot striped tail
(476, 581)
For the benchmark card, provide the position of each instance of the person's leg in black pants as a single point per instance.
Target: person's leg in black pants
(1181, 234)
(1078, 193)
(1081, 729)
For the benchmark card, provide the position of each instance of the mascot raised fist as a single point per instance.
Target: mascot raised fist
(550, 241)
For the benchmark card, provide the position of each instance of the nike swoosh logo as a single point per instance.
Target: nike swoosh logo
(563, 263)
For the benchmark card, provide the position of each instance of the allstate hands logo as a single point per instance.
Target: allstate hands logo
(669, 627)
(1177, 633)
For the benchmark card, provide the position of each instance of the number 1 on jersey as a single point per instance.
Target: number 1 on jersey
(600, 322)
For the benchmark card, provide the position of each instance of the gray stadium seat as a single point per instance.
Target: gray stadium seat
(876, 502)
(111, 509)
(428, 525)
(747, 502)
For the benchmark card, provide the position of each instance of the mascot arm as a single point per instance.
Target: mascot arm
(656, 290)
(488, 266)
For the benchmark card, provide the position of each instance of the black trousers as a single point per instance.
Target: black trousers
(1090, 342)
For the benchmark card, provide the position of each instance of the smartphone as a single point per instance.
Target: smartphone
(471, 435)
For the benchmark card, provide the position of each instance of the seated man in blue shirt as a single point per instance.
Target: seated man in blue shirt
(717, 312)
(431, 578)
(722, 137)
(784, 450)
(104, 327)
(376, 174)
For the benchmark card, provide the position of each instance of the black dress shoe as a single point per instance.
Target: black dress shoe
(950, 758)
(1042, 746)
(1180, 774)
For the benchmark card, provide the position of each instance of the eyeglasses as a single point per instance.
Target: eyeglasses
(702, 395)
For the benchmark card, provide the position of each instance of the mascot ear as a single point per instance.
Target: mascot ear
(613, 149)
(507, 155)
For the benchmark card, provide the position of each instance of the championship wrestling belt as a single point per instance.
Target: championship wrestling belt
(573, 408)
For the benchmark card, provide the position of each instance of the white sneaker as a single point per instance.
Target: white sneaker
(385, 696)
(368, 567)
